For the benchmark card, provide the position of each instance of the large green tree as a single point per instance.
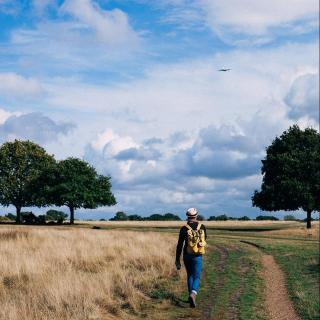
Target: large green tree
(21, 163)
(76, 184)
(291, 173)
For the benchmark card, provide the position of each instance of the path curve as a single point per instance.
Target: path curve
(278, 304)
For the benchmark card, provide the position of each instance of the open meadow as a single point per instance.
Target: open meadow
(125, 270)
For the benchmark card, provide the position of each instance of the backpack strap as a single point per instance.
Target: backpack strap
(198, 227)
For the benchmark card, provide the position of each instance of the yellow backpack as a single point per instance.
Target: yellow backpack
(196, 240)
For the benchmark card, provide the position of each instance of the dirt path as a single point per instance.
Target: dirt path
(278, 304)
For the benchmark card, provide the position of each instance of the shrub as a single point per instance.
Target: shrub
(55, 215)
(222, 217)
(4, 219)
(120, 216)
(289, 217)
(11, 216)
(244, 218)
(267, 218)
(135, 217)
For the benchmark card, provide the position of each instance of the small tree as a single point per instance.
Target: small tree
(56, 215)
(222, 217)
(289, 217)
(244, 218)
(76, 184)
(120, 216)
(21, 163)
(135, 217)
(262, 218)
(291, 173)
(155, 217)
(171, 217)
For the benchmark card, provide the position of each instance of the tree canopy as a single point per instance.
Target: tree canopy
(291, 173)
(76, 184)
(55, 215)
(21, 163)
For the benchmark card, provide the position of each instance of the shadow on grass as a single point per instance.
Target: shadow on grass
(163, 294)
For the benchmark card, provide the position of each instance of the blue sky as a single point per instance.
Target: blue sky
(133, 87)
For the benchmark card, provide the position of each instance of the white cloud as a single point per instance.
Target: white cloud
(32, 126)
(257, 17)
(41, 5)
(218, 171)
(248, 21)
(190, 95)
(4, 115)
(110, 26)
(111, 143)
(303, 97)
(13, 84)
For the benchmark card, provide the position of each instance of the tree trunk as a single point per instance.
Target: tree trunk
(309, 219)
(18, 210)
(71, 214)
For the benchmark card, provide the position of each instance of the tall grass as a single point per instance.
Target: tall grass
(48, 273)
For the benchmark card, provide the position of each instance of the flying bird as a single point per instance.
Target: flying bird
(224, 70)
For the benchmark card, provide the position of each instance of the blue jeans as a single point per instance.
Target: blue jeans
(193, 266)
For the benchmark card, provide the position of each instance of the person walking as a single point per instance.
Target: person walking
(192, 239)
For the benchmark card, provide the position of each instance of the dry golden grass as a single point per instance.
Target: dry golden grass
(48, 273)
(298, 231)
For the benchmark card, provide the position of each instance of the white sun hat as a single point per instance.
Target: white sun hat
(192, 212)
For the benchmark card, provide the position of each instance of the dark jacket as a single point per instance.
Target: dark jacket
(183, 238)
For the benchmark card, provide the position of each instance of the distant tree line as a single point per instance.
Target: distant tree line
(122, 216)
(29, 176)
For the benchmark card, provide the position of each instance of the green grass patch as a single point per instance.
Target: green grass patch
(300, 263)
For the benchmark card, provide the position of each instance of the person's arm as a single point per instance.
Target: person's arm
(205, 231)
(180, 245)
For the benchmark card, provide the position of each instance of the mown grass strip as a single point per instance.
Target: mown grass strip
(231, 287)
(300, 264)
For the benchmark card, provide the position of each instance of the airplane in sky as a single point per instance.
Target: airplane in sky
(224, 70)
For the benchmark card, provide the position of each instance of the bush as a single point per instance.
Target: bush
(55, 215)
(155, 217)
(222, 217)
(135, 217)
(165, 217)
(244, 218)
(5, 219)
(289, 217)
(272, 218)
(29, 217)
(120, 216)
(11, 216)
(171, 217)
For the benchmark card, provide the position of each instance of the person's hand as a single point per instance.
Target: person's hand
(178, 265)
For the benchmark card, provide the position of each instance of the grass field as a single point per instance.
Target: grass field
(126, 271)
